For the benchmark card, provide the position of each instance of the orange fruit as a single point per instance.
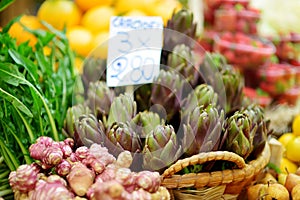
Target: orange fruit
(80, 40)
(296, 125)
(100, 45)
(59, 13)
(285, 138)
(287, 166)
(293, 149)
(98, 18)
(17, 30)
(84, 5)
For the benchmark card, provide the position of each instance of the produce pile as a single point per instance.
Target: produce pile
(86, 173)
(269, 63)
(179, 115)
(281, 180)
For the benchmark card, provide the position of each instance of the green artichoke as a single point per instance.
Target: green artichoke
(122, 137)
(182, 22)
(123, 109)
(72, 115)
(94, 69)
(144, 122)
(256, 113)
(89, 130)
(142, 95)
(161, 148)
(183, 60)
(203, 94)
(225, 80)
(239, 132)
(99, 98)
(202, 130)
(167, 91)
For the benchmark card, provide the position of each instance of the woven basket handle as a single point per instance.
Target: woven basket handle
(203, 158)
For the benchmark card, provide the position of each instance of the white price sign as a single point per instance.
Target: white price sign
(134, 50)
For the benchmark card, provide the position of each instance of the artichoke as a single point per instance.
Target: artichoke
(226, 81)
(202, 130)
(99, 98)
(182, 22)
(122, 137)
(183, 60)
(94, 69)
(142, 96)
(239, 132)
(123, 109)
(89, 130)
(256, 113)
(73, 114)
(167, 92)
(161, 148)
(144, 122)
(203, 94)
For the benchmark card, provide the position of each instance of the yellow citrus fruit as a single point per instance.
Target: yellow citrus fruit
(84, 5)
(296, 125)
(100, 43)
(287, 166)
(123, 6)
(293, 149)
(135, 12)
(59, 13)
(17, 30)
(98, 18)
(165, 9)
(285, 138)
(80, 39)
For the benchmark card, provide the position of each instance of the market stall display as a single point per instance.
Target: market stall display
(204, 128)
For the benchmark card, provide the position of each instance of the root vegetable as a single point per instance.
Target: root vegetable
(102, 153)
(124, 159)
(82, 152)
(46, 190)
(149, 181)
(24, 179)
(63, 168)
(106, 190)
(80, 178)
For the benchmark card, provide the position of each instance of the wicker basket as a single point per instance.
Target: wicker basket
(225, 184)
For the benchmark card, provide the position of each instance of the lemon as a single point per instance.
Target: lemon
(80, 39)
(98, 18)
(136, 12)
(293, 149)
(296, 125)
(59, 13)
(287, 166)
(84, 5)
(123, 6)
(285, 138)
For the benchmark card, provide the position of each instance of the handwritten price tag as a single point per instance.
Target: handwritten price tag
(134, 50)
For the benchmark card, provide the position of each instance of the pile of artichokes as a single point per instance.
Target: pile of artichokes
(196, 104)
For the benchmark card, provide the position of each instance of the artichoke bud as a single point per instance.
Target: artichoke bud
(89, 130)
(202, 130)
(123, 109)
(100, 97)
(72, 115)
(183, 19)
(203, 94)
(122, 137)
(161, 148)
(144, 122)
(167, 91)
(240, 131)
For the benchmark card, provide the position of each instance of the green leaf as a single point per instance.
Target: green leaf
(25, 62)
(15, 102)
(10, 74)
(5, 3)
